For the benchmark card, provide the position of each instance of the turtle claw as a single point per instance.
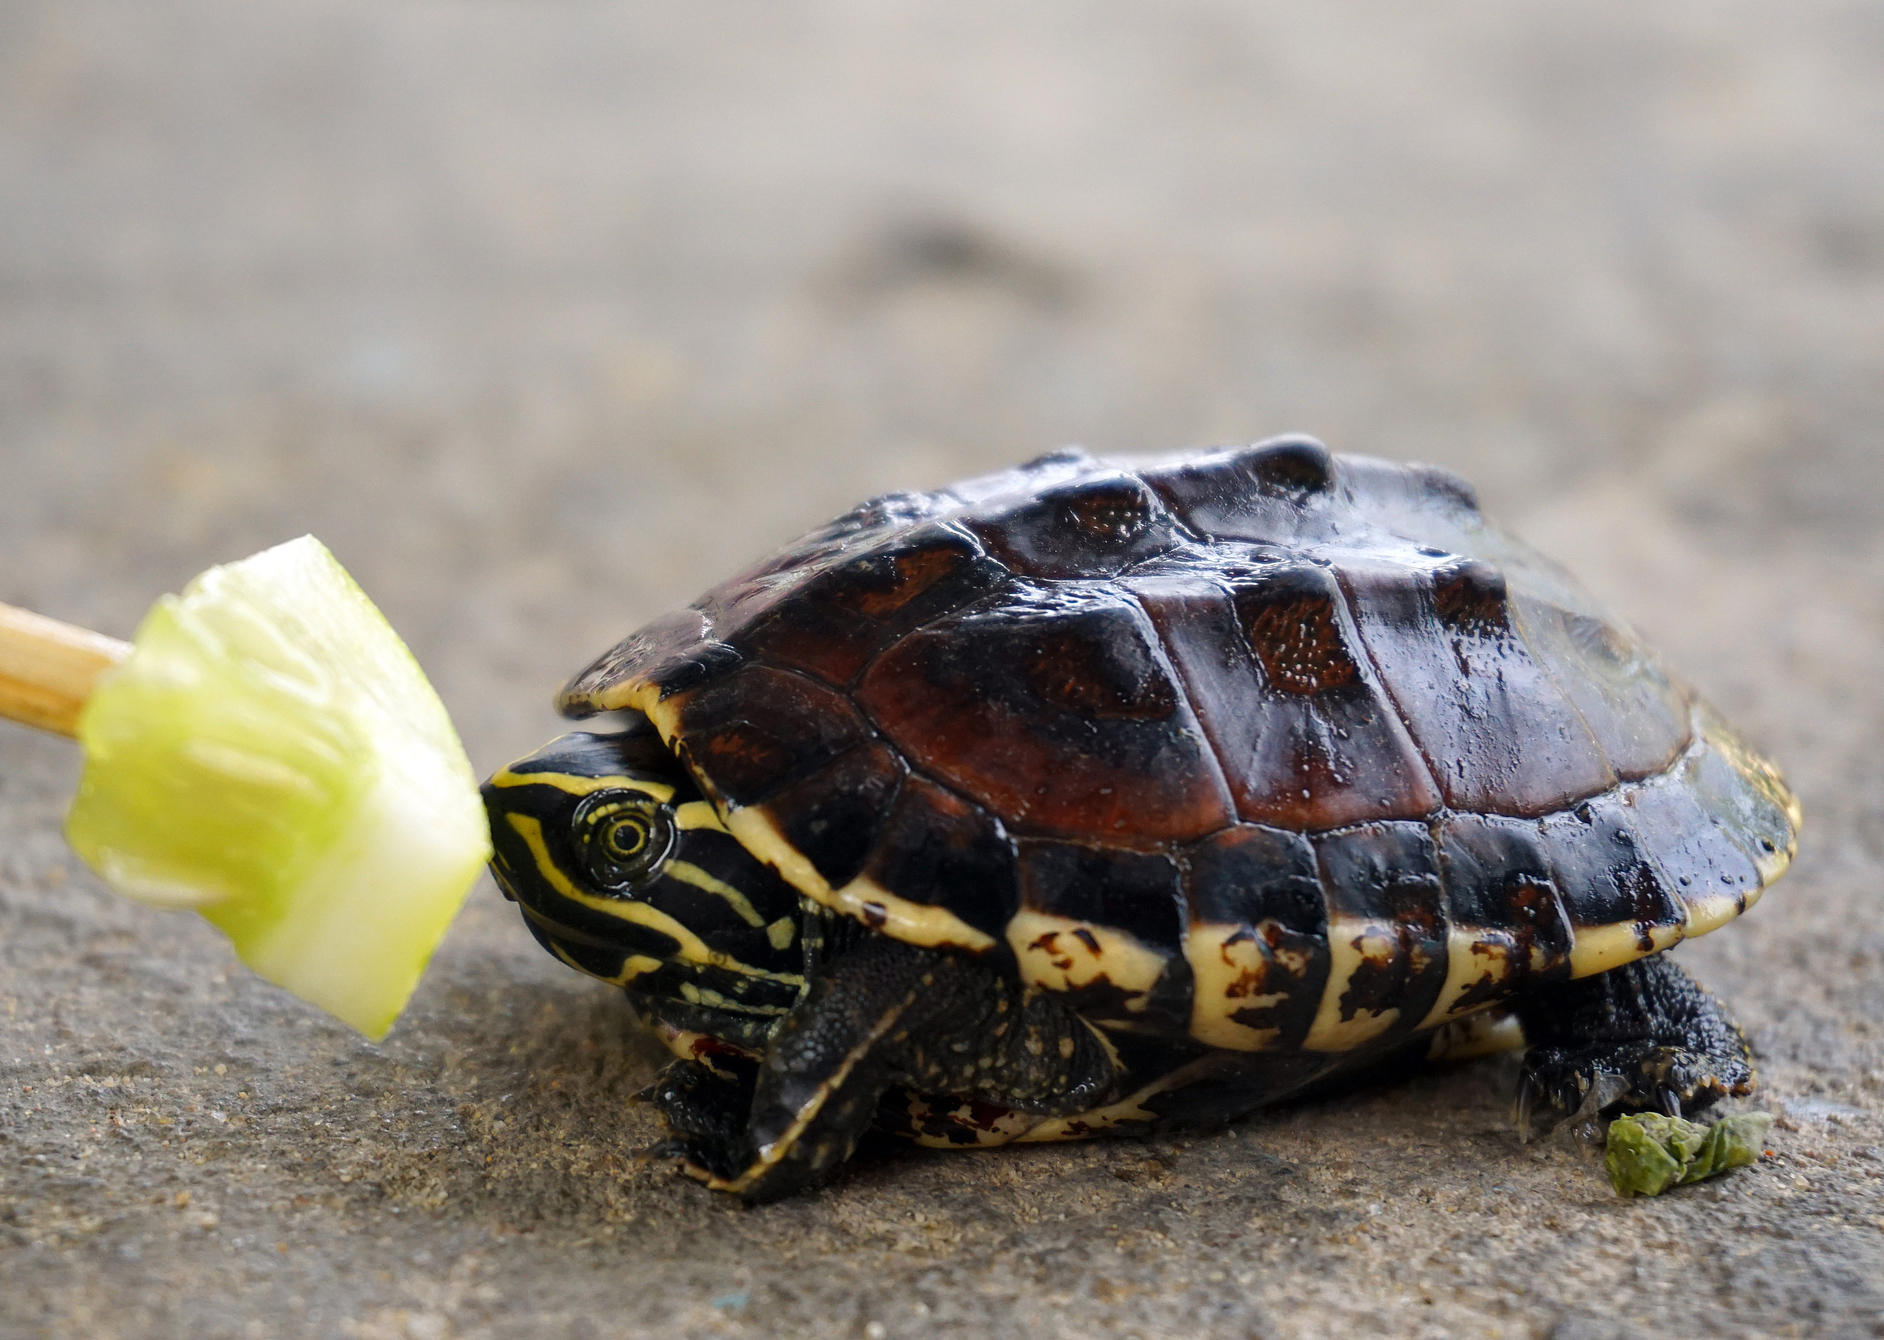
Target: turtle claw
(700, 1103)
(693, 1157)
(1529, 1091)
(1571, 1102)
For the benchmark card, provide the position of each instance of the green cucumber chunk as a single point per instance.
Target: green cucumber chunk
(1647, 1152)
(271, 755)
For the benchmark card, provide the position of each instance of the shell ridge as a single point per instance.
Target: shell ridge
(1385, 684)
(1211, 750)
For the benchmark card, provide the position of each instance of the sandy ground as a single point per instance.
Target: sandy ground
(547, 315)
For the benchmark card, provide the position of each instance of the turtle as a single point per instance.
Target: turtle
(1119, 795)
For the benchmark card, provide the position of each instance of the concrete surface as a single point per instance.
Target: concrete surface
(546, 315)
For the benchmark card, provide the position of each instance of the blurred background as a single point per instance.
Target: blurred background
(548, 314)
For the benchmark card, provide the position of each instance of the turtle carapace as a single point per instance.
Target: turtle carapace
(1116, 795)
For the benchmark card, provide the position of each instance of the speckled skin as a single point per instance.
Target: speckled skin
(1266, 762)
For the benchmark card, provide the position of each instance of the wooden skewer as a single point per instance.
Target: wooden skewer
(48, 669)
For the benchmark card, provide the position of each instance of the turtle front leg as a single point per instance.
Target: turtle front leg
(1644, 1035)
(889, 1013)
(705, 1104)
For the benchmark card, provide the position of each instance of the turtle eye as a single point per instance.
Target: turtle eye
(623, 837)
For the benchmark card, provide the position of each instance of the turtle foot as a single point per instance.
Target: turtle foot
(703, 1103)
(1641, 1037)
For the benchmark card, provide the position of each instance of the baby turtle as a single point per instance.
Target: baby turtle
(1115, 795)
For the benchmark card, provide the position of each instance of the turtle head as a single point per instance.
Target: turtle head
(624, 871)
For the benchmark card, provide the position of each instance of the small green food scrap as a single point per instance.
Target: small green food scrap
(1648, 1152)
(271, 755)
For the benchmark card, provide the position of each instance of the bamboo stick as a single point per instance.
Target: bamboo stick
(48, 669)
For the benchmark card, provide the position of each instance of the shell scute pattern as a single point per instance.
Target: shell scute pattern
(1508, 926)
(1275, 493)
(1106, 927)
(1275, 748)
(836, 816)
(756, 729)
(1058, 711)
(1258, 939)
(834, 625)
(1304, 743)
(1639, 719)
(1091, 527)
(940, 850)
(1620, 903)
(1498, 732)
(1386, 933)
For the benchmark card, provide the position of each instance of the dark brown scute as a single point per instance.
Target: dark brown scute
(1041, 472)
(1388, 875)
(1266, 881)
(1273, 492)
(1603, 876)
(1637, 716)
(1092, 527)
(834, 816)
(1057, 710)
(1136, 892)
(834, 624)
(1421, 502)
(1498, 881)
(1691, 846)
(1322, 749)
(1497, 731)
(1751, 808)
(886, 515)
(941, 851)
(676, 652)
(757, 729)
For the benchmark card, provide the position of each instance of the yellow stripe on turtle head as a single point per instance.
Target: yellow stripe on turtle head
(572, 784)
(692, 948)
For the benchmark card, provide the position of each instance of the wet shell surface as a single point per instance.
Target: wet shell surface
(1265, 746)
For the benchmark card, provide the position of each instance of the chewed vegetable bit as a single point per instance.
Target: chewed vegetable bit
(1648, 1153)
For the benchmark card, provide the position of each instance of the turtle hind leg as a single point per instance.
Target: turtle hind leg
(887, 1014)
(1641, 1036)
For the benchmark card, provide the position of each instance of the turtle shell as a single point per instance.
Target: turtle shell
(1269, 747)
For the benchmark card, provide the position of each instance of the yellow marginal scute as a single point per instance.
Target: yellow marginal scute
(1231, 966)
(1480, 1033)
(1060, 954)
(1710, 911)
(1600, 948)
(1350, 943)
(632, 694)
(1471, 954)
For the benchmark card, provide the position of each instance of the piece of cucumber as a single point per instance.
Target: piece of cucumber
(271, 755)
(1647, 1152)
